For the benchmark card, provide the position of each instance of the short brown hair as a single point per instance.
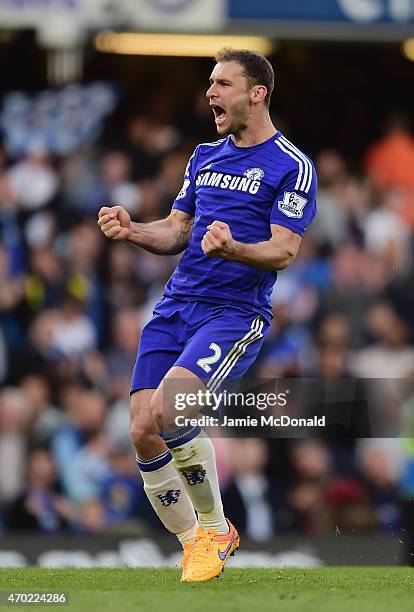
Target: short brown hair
(256, 68)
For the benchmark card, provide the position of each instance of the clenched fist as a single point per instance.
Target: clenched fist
(218, 241)
(114, 222)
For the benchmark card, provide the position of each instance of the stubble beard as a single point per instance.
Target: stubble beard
(239, 121)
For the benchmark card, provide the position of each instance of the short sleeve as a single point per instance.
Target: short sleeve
(185, 200)
(295, 203)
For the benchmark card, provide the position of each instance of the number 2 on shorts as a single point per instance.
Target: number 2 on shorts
(206, 362)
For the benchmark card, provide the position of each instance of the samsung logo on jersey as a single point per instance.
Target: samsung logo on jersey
(227, 181)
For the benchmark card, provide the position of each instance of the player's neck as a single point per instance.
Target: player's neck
(259, 131)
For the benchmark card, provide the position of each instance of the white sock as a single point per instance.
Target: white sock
(196, 463)
(168, 497)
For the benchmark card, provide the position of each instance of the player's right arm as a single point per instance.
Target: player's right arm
(164, 237)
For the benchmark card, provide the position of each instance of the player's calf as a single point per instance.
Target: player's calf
(162, 483)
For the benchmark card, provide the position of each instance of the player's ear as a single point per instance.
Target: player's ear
(258, 93)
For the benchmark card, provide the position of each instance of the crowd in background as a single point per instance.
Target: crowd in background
(72, 306)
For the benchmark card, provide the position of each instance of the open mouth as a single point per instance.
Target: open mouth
(219, 113)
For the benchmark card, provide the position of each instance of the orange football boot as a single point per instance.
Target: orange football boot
(209, 553)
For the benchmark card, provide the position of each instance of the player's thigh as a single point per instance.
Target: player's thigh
(170, 398)
(224, 348)
(158, 350)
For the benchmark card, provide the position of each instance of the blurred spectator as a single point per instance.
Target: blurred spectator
(33, 181)
(37, 354)
(74, 333)
(90, 517)
(114, 185)
(391, 355)
(285, 347)
(46, 417)
(331, 168)
(386, 235)
(79, 446)
(126, 329)
(334, 331)
(389, 162)
(82, 251)
(125, 287)
(148, 139)
(330, 358)
(349, 294)
(195, 122)
(380, 461)
(79, 175)
(170, 179)
(331, 362)
(329, 225)
(11, 287)
(325, 501)
(89, 468)
(250, 498)
(312, 466)
(121, 492)
(40, 508)
(16, 416)
(45, 283)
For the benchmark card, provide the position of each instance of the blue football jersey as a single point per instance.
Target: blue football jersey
(249, 188)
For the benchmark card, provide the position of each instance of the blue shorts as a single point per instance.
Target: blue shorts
(215, 342)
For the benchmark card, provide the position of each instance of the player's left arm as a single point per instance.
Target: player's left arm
(273, 254)
(293, 210)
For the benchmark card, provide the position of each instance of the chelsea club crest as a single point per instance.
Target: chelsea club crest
(256, 174)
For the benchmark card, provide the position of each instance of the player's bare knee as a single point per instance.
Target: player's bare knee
(139, 432)
(142, 426)
(136, 432)
(145, 439)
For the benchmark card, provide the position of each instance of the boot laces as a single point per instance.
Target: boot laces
(202, 545)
